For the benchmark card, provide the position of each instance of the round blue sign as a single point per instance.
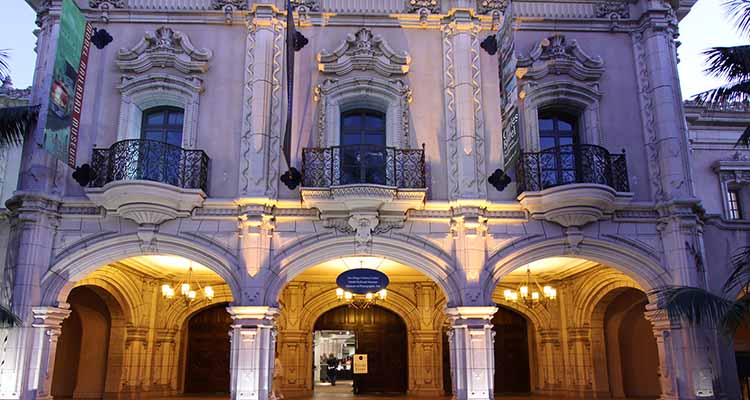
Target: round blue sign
(362, 280)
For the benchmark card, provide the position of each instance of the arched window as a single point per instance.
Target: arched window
(163, 124)
(363, 147)
(558, 135)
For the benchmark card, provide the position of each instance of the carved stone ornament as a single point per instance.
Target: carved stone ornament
(432, 6)
(237, 4)
(310, 5)
(164, 48)
(363, 225)
(557, 55)
(612, 10)
(108, 3)
(364, 51)
(491, 6)
(574, 204)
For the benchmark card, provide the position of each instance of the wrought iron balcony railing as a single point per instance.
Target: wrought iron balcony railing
(152, 161)
(568, 164)
(353, 164)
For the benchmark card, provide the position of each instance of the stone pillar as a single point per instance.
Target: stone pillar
(256, 232)
(165, 361)
(579, 357)
(688, 362)
(260, 141)
(426, 362)
(472, 352)
(252, 352)
(550, 355)
(296, 358)
(462, 84)
(136, 352)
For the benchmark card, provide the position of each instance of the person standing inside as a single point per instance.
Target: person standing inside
(332, 363)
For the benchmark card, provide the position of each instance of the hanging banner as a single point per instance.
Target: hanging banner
(509, 91)
(68, 78)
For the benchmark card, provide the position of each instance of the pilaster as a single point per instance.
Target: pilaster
(165, 361)
(253, 337)
(39, 352)
(425, 374)
(136, 353)
(261, 105)
(465, 133)
(469, 230)
(256, 232)
(472, 354)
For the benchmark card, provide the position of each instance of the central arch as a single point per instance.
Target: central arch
(415, 253)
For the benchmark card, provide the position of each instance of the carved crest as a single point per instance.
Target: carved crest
(164, 48)
(557, 55)
(415, 5)
(310, 5)
(107, 3)
(490, 6)
(364, 50)
(612, 10)
(237, 4)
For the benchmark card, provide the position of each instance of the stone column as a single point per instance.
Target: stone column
(688, 362)
(261, 105)
(472, 352)
(46, 330)
(252, 352)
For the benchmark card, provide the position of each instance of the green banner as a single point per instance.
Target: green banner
(68, 78)
(509, 92)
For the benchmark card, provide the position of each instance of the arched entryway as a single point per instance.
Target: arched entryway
(512, 374)
(632, 356)
(381, 334)
(89, 355)
(742, 358)
(207, 356)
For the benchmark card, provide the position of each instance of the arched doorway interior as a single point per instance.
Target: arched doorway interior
(207, 361)
(381, 334)
(511, 352)
(742, 357)
(632, 355)
(82, 355)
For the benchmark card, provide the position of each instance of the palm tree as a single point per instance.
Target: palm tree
(725, 312)
(731, 64)
(14, 121)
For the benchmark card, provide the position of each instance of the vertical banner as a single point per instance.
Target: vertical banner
(68, 78)
(286, 144)
(509, 91)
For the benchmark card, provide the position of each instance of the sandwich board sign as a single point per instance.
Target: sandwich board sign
(360, 363)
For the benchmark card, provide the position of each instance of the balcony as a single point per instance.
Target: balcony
(572, 185)
(148, 181)
(150, 160)
(363, 177)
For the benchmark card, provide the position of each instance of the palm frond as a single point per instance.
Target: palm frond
(739, 12)
(697, 306)
(7, 318)
(15, 122)
(744, 139)
(728, 63)
(732, 92)
(737, 315)
(4, 66)
(740, 276)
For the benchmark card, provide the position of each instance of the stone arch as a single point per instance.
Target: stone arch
(638, 264)
(177, 317)
(119, 286)
(410, 251)
(82, 258)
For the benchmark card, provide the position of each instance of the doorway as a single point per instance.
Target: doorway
(207, 361)
(377, 332)
(512, 374)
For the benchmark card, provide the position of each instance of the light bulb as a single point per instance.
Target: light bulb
(515, 297)
(507, 294)
(524, 291)
(191, 295)
(546, 290)
(165, 290)
(383, 293)
(552, 293)
(170, 293)
(339, 293)
(348, 295)
(185, 289)
(534, 295)
(368, 296)
(209, 292)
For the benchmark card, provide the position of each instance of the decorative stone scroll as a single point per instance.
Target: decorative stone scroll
(558, 55)
(364, 51)
(164, 48)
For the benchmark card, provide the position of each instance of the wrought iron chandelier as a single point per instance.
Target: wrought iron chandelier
(530, 293)
(365, 300)
(187, 292)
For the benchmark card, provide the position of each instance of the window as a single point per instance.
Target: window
(161, 151)
(363, 147)
(733, 201)
(558, 136)
(163, 124)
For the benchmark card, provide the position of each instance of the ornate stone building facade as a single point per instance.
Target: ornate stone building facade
(619, 190)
